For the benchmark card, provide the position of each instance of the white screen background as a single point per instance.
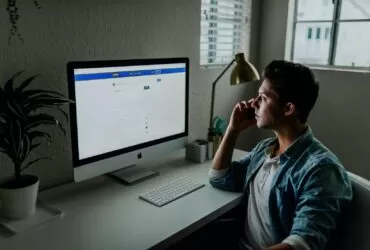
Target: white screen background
(117, 113)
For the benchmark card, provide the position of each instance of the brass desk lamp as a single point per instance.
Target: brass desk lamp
(243, 72)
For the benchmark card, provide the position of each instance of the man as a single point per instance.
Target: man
(295, 189)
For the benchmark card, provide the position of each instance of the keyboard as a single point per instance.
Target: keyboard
(171, 191)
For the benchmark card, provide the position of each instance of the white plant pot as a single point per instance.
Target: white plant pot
(19, 203)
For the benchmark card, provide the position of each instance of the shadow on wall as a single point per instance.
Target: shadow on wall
(340, 118)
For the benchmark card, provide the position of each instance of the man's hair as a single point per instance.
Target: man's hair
(293, 83)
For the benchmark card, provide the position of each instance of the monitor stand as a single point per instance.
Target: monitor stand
(133, 174)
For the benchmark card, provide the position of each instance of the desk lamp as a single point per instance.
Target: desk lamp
(243, 72)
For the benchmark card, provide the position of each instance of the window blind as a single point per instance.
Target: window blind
(224, 30)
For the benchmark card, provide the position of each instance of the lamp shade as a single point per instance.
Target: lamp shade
(243, 71)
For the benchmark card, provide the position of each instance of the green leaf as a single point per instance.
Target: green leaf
(3, 131)
(39, 117)
(43, 119)
(39, 123)
(47, 101)
(17, 74)
(16, 109)
(3, 117)
(4, 143)
(25, 148)
(5, 148)
(15, 137)
(3, 123)
(32, 92)
(51, 107)
(39, 134)
(34, 161)
(9, 84)
(2, 100)
(29, 96)
(9, 90)
(36, 134)
(26, 83)
(34, 97)
(35, 145)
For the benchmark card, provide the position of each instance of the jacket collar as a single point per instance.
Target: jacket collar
(300, 143)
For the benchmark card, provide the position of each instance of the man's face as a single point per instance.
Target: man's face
(269, 112)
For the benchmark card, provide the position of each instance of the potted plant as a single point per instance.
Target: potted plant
(22, 112)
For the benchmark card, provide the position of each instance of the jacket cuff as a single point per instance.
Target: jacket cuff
(297, 242)
(215, 174)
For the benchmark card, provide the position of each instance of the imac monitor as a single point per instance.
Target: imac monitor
(126, 111)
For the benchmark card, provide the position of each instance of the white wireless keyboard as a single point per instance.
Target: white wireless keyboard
(167, 193)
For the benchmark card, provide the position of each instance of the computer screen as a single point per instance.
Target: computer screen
(126, 107)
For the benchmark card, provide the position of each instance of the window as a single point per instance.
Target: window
(224, 29)
(341, 32)
(318, 32)
(309, 34)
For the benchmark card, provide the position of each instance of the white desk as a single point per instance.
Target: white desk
(102, 214)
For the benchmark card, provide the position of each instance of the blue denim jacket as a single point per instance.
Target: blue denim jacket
(308, 193)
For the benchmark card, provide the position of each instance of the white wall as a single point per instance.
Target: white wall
(66, 30)
(340, 118)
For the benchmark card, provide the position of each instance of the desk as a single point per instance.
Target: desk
(102, 214)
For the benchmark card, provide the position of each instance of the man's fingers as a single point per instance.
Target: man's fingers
(244, 103)
(250, 102)
(239, 106)
(247, 104)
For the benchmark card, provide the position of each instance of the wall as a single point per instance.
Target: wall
(66, 30)
(340, 119)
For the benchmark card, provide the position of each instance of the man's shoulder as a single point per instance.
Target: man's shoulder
(320, 154)
(316, 158)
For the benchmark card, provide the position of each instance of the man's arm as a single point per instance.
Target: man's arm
(224, 153)
(322, 198)
(238, 122)
(232, 177)
(224, 173)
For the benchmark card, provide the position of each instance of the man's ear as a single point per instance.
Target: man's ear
(289, 109)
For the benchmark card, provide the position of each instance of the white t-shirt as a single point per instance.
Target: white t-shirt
(257, 227)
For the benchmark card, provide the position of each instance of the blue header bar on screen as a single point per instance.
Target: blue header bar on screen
(120, 74)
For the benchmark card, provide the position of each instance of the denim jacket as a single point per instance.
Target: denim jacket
(308, 193)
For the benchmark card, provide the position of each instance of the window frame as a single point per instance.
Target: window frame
(333, 36)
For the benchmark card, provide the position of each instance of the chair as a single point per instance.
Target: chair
(354, 231)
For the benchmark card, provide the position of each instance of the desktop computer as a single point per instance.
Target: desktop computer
(126, 112)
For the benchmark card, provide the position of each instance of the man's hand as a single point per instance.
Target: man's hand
(238, 120)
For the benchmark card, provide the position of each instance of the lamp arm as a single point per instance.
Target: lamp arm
(213, 91)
